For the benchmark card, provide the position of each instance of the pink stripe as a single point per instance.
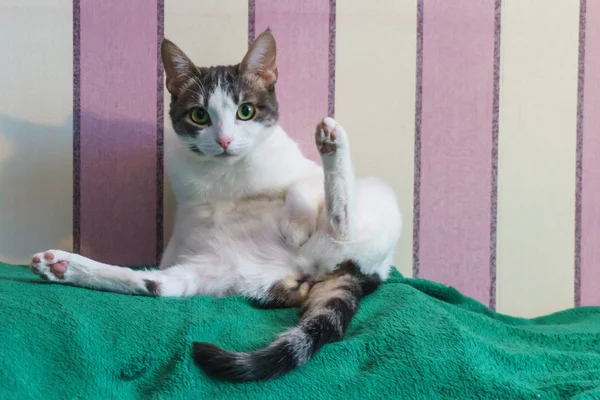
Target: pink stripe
(118, 130)
(456, 144)
(590, 190)
(301, 29)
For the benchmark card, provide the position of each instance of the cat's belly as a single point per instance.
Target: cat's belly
(244, 240)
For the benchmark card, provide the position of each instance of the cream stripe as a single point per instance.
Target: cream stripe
(538, 100)
(36, 130)
(375, 96)
(211, 32)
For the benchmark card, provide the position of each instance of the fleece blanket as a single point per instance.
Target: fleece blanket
(412, 339)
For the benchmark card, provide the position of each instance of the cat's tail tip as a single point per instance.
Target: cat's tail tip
(243, 367)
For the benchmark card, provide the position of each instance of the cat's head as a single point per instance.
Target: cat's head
(223, 112)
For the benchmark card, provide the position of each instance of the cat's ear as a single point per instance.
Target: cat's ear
(178, 66)
(260, 59)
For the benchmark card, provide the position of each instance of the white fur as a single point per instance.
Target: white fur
(247, 221)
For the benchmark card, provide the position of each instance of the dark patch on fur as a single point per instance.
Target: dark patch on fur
(281, 295)
(344, 309)
(152, 287)
(349, 267)
(321, 332)
(369, 284)
(213, 360)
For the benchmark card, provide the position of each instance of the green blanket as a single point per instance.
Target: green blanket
(412, 339)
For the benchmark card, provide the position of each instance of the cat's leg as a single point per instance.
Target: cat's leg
(377, 225)
(332, 143)
(362, 216)
(289, 292)
(270, 290)
(277, 283)
(63, 267)
(301, 210)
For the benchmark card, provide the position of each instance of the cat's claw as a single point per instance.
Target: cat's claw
(51, 265)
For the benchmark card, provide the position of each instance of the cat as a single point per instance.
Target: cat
(254, 217)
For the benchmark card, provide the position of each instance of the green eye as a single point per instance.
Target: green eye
(245, 112)
(200, 116)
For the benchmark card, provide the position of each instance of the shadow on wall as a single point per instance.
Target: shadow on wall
(36, 190)
(35, 187)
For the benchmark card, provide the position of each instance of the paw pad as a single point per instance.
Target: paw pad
(330, 137)
(325, 136)
(48, 266)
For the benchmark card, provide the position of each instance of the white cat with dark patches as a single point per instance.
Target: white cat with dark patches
(255, 217)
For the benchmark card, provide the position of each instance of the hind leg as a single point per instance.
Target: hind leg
(62, 267)
(361, 216)
(287, 293)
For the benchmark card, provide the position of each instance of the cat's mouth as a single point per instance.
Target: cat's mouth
(225, 154)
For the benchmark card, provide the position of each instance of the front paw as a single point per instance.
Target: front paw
(297, 229)
(51, 265)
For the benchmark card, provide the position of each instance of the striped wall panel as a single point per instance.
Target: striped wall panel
(481, 114)
(116, 131)
(376, 42)
(537, 153)
(456, 142)
(588, 233)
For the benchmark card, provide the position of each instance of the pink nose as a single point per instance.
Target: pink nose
(224, 142)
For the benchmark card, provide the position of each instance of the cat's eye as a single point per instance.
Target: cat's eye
(200, 116)
(245, 112)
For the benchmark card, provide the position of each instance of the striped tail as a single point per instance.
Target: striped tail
(328, 310)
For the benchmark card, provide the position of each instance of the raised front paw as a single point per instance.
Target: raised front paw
(329, 136)
(297, 229)
(51, 265)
